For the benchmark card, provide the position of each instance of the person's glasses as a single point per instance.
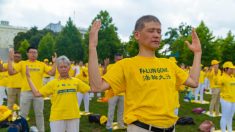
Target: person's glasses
(33, 52)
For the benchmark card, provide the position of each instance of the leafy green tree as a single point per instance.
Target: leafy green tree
(176, 37)
(46, 47)
(33, 36)
(228, 48)
(23, 49)
(171, 35)
(69, 42)
(109, 42)
(21, 36)
(132, 47)
(209, 48)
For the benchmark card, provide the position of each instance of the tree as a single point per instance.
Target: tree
(171, 35)
(209, 48)
(46, 47)
(33, 36)
(132, 47)
(69, 42)
(109, 42)
(176, 38)
(228, 48)
(23, 49)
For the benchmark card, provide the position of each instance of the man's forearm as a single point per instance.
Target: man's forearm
(196, 67)
(93, 69)
(52, 71)
(33, 88)
(10, 68)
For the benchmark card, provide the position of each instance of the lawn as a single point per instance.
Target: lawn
(101, 108)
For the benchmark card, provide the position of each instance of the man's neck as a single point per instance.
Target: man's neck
(146, 53)
(32, 60)
(64, 77)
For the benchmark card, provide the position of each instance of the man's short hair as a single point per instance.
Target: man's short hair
(31, 48)
(139, 25)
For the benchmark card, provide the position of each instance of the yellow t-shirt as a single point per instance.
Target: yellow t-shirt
(227, 91)
(4, 78)
(101, 70)
(83, 75)
(149, 84)
(64, 97)
(45, 75)
(36, 69)
(14, 81)
(202, 77)
(214, 78)
(109, 93)
(180, 88)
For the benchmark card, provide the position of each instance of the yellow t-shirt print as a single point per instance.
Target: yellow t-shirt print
(36, 69)
(64, 97)
(149, 84)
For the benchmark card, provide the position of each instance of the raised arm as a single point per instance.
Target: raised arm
(31, 84)
(195, 47)
(97, 84)
(52, 71)
(10, 68)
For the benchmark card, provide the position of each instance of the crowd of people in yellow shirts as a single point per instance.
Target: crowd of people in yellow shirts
(150, 85)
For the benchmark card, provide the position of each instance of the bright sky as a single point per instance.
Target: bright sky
(219, 15)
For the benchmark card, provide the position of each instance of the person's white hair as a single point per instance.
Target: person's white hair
(62, 59)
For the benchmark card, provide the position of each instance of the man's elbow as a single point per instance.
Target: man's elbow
(37, 95)
(96, 89)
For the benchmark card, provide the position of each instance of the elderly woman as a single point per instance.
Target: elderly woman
(65, 115)
(227, 96)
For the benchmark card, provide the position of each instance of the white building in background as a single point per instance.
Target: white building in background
(7, 35)
(57, 27)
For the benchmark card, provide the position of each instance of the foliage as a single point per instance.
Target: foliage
(69, 42)
(228, 48)
(33, 36)
(23, 47)
(109, 42)
(46, 47)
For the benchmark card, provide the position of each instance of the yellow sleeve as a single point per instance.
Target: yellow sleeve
(218, 80)
(47, 89)
(109, 93)
(18, 66)
(82, 86)
(47, 68)
(181, 75)
(115, 77)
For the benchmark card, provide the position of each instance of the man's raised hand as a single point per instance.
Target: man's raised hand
(11, 54)
(54, 57)
(195, 47)
(93, 35)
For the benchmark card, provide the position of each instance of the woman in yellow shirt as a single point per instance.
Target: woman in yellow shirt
(227, 96)
(64, 116)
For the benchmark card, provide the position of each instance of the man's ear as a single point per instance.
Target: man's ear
(137, 35)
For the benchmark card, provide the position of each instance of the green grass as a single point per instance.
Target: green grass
(101, 108)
